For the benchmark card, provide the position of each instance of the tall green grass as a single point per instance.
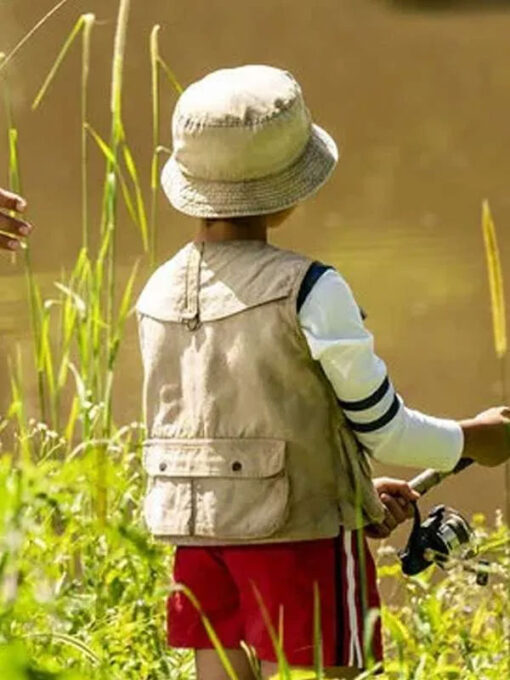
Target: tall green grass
(82, 587)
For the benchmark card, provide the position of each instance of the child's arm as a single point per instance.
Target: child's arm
(391, 432)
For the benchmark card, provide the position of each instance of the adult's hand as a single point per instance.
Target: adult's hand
(12, 229)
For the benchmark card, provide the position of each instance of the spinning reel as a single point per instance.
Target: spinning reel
(444, 538)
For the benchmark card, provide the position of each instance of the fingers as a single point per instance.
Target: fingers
(377, 531)
(397, 508)
(6, 243)
(393, 516)
(396, 487)
(406, 505)
(10, 201)
(396, 512)
(12, 229)
(494, 414)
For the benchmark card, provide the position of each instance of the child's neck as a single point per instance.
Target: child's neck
(233, 229)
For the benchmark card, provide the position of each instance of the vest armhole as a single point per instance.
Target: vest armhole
(313, 274)
(315, 271)
(298, 295)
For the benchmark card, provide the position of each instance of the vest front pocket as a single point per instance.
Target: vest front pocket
(222, 489)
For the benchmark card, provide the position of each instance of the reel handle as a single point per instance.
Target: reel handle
(428, 479)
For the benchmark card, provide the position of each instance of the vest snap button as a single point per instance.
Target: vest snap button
(236, 466)
(162, 467)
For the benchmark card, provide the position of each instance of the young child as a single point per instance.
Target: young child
(264, 398)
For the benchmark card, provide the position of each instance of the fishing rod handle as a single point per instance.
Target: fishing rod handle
(427, 480)
(430, 478)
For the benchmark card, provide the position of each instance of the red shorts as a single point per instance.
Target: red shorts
(224, 580)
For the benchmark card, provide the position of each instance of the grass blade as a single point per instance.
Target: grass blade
(112, 160)
(58, 62)
(171, 76)
(210, 630)
(71, 642)
(14, 172)
(140, 205)
(283, 667)
(9, 57)
(317, 634)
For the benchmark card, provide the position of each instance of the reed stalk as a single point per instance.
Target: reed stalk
(119, 51)
(117, 134)
(109, 237)
(157, 63)
(18, 411)
(498, 312)
(88, 23)
(84, 26)
(154, 55)
(87, 301)
(34, 295)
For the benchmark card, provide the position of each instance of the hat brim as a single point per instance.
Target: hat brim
(210, 199)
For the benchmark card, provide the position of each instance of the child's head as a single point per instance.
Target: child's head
(243, 145)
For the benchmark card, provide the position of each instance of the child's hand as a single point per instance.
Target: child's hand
(397, 496)
(487, 436)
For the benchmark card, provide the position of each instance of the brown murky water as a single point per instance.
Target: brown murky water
(419, 102)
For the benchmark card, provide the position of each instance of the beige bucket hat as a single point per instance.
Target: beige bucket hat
(244, 144)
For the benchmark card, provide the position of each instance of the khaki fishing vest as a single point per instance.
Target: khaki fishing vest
(246, 441)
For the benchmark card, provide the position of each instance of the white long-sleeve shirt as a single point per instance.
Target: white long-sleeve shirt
(391, 432)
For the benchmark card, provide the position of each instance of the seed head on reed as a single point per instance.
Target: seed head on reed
(495, 281)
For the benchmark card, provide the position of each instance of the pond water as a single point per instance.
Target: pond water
(419, 103)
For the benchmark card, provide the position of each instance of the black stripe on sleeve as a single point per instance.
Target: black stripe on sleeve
(315, 271)
(370, 401)
(380, 422)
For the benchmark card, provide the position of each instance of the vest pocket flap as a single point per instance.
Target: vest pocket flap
(231, 458)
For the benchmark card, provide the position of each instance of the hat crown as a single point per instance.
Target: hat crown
(240, 124)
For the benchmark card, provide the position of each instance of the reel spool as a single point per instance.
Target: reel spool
(444, 536)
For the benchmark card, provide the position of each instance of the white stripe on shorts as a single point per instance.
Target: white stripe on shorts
(354, 638)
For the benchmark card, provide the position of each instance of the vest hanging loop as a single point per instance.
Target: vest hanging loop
(190, 315)
(192, 324)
